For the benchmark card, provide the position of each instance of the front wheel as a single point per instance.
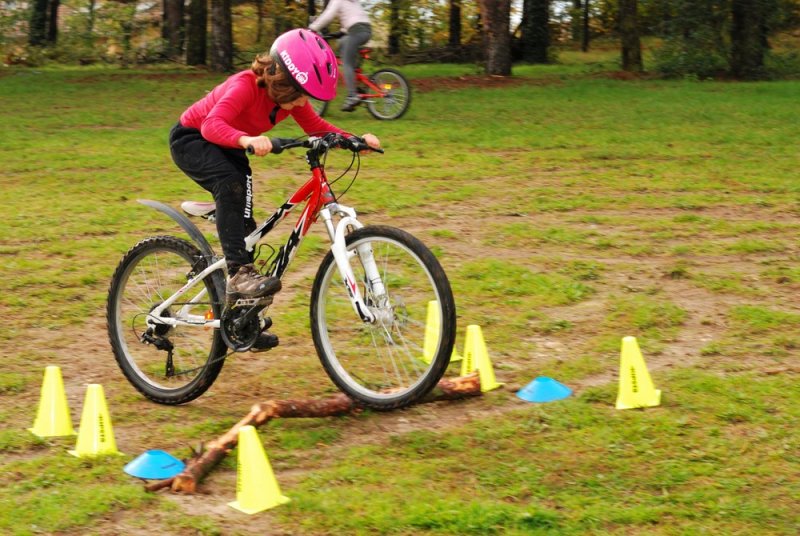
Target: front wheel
(396, 91)
(167, 364)
(399, 358)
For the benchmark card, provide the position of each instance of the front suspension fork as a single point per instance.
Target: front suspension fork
(342, 258)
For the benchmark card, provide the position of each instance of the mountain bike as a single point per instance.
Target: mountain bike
(171, 327)
(386, 92)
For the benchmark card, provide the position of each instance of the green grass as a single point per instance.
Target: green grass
(569, 210)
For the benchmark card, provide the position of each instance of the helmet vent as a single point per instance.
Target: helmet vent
(302, 35)
(330, 68)
(320, 43)
(316, 71)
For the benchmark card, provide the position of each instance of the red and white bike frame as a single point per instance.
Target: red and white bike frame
(337, 218)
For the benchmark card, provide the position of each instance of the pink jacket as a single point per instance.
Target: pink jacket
(238, 107)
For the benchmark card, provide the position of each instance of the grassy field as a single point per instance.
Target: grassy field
(569, 209)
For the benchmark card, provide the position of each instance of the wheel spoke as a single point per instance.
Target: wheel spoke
(382, 363)
(153, 354)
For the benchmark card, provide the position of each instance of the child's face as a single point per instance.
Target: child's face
(297, 102)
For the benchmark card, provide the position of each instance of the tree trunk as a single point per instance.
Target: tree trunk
(215, 450)
(37, 26)
(172, 28)
(748, 38)
(629, 35)
(496, 18)
(221, 36)
(196, 32)
(395, 29)
(52, 22)
(454, 39)
(535, 39)
(90, 20)
(575, 16)
(585, 41)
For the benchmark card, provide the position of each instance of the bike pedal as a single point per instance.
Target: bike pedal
(252, 302)
(265, 341)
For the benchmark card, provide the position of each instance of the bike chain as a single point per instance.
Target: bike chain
(241, 302)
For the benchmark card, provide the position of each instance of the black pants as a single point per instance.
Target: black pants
(227, 175)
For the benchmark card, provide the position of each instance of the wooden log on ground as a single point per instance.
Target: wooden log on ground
(214, 451)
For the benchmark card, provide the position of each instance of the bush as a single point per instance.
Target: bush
(689, 59)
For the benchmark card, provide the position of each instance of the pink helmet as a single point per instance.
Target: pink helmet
(308, 60)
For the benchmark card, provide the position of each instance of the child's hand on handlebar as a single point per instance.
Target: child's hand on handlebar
(257, 145)
(372, 140)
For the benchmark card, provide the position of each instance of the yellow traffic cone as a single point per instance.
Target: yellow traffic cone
(95, 435)
(476, 357)
(432, 326)
(256, 487)
(635, 385)
(52, 417)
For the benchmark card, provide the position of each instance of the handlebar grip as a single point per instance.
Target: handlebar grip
(356, 144)
(277, 145)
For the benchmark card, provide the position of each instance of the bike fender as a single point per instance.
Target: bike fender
(190, 228)
(195, 234)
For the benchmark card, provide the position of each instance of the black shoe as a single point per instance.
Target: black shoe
(248, 283)
(350, 104)
(264, 342)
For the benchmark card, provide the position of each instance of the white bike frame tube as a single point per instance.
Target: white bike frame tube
(342, 257)
(154, 317)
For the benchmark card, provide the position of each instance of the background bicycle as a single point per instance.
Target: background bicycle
(171, 330)
(386, 92)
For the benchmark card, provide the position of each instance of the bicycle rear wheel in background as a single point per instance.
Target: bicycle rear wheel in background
(151, 271)
(384, 365)
(398, 95)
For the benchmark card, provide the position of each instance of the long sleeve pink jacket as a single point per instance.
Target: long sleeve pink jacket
(238, 107)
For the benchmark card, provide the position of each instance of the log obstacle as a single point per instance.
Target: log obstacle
(215, 450)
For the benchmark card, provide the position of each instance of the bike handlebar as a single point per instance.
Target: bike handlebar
(329, 141)
(334, 35)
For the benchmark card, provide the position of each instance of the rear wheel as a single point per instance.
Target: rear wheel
(167, 364)
(397, 95)
(394, 361)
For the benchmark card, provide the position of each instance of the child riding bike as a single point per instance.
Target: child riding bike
(211, 140)
(355, 24)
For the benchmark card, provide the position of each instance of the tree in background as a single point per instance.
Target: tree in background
(221, 36)
(534, 42)
(172, 28)
(711, 38)
(454, 23)
(629, 36)
(43, 25)
(749, 36)
(694, 40)
(196, 33)
(496, 18)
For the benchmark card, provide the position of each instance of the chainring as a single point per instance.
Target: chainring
(238, 333)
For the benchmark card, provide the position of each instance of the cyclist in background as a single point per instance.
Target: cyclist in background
(209, 142)
(355, 22)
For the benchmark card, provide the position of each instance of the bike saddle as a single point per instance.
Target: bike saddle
(200, 208)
